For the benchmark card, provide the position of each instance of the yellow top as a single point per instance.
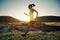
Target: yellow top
(31, 15)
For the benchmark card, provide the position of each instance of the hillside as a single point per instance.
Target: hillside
(49, 19)
(8, 19)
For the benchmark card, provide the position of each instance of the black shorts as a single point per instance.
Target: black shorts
(32, 22)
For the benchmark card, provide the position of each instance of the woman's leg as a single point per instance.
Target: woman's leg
(28, 28)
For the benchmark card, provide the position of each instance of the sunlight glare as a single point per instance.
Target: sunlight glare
(26, 18)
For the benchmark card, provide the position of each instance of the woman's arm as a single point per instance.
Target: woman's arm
(26, 14)
(36, 12)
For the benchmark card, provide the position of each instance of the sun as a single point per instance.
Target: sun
(24, 17)
(21, 16)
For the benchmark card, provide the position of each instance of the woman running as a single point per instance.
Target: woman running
(31, 15)
(31, 12)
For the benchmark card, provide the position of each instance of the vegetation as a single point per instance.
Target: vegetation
(31, 36)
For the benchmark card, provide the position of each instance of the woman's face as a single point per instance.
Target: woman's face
(30, 7)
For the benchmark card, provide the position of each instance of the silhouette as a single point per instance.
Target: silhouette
(32, 22)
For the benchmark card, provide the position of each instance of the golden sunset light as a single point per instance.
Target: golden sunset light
(24, 17)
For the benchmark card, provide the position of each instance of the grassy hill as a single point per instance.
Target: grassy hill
(49, 19)
(8, 19)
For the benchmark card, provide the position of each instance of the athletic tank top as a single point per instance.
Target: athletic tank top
(31, 15)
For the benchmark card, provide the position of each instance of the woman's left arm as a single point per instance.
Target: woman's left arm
(36, 12)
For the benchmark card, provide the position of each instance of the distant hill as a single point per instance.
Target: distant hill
(8, 19)
(49, 19)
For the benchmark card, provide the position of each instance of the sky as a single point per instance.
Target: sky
(17, 8)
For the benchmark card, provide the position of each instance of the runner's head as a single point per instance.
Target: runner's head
(31, 5)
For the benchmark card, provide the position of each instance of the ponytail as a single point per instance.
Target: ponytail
(31, 5)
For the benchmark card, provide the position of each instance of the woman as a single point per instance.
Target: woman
(32, 10)
(32, 21)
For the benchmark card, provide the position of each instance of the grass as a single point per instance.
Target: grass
(31, 36)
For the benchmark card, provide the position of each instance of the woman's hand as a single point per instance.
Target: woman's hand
(26, 14)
